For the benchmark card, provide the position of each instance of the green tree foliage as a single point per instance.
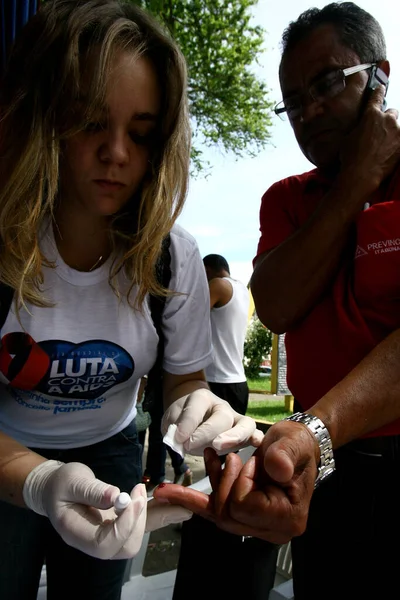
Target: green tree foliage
(229, 105)
(257, 346)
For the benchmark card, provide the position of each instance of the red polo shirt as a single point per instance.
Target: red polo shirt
(362, 306)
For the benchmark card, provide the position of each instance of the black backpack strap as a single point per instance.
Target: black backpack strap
(6, 298)
(153, 390)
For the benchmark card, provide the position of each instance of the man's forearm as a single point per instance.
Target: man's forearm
(16, 462)
(287, 282)
(368, 398)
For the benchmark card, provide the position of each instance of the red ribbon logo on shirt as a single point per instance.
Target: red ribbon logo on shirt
(22, 361)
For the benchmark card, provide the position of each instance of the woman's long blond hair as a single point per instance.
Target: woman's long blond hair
(37, 94)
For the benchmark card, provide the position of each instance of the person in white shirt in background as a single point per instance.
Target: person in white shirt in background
(229, 303)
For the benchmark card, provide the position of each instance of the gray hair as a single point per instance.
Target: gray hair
(357, 30)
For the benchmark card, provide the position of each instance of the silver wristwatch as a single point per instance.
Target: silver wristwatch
(327, 462)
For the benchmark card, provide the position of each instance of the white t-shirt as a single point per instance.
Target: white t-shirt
(229, 326)
(74, 369)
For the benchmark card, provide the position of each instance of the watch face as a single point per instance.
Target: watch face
(325, 472)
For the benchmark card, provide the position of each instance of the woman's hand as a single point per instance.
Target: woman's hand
(204, 420)
(80, 508)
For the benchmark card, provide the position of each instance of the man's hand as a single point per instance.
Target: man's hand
(205, 420)
(372, 149)
(269, 496)
(273, 490)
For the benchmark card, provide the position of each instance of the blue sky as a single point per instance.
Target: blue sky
(222, 210)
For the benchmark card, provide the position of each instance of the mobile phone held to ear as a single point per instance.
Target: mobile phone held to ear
(376, 77)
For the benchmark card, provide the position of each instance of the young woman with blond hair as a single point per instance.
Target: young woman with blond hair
(94, 157)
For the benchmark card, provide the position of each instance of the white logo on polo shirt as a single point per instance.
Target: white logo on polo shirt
(360, 252)
(384, 246)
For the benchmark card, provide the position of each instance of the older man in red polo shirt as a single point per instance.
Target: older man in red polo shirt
(327, 273)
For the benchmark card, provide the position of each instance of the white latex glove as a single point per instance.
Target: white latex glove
(80, 508)
(160, 515)
(203, 420)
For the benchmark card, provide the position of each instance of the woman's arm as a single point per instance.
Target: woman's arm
(16, 462)
(176, 386)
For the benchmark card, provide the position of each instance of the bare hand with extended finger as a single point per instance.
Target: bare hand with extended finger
(269, 496)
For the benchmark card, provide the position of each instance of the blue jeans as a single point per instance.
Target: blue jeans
(27, 540)
(157, 450)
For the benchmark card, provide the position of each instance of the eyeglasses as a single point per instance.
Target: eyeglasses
(328, 86)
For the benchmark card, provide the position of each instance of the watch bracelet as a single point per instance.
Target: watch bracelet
(327, 461)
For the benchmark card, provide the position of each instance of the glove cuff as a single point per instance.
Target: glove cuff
(35, 484)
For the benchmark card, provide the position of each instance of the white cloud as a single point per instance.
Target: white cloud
(206, 231)
(241, 270)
